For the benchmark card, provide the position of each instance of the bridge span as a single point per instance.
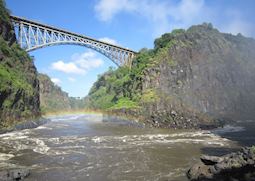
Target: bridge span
(32, 35)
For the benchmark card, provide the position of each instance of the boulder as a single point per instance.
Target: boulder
(14, 174)
(239, 166)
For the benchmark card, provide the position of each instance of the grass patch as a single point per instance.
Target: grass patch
(126, 103)
(149, 96)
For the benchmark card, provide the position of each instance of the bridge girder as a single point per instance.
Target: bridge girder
(32, 35)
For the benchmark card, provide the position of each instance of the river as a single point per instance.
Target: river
(90, 147)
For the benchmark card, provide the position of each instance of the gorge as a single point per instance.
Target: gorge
(191, 94)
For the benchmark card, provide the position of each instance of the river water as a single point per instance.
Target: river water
(90, 147)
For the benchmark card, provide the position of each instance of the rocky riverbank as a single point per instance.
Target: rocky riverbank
(239, 166)
(171, 119)
(25, 125)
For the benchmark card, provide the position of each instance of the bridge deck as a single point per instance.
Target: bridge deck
(20, 19)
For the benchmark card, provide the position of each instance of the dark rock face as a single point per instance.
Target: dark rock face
(53, 98)
(205, 74)
(238, 166)
(14, 174)
(19, 86)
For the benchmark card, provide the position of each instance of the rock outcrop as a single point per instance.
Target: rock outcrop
(238, 166)
(19, 86)
(54, 99)
(14, 174)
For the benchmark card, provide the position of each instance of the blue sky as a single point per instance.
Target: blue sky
(130, 23)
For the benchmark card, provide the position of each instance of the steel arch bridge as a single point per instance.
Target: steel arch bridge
(32, 35)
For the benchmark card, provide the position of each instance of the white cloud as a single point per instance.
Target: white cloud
(56, 81)
(87, 60)
(237, 23)
(67, 67)
(108, 40)
(108, 8)
(157, 12)
(239, 26)
(166, 15)
(186, 10)
(71, 79)
(79, 64)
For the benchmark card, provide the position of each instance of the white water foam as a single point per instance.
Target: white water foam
(245, 121)
(228, 129)
(43, 127)
(16, 134)
(21, 140)
(8, 165)
(199, 137)
(5, 156)
(75, 144)
(40, 147)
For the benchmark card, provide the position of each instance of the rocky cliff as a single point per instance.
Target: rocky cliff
(209, 73)
(19, 87)
(54, 99)
(191, 77)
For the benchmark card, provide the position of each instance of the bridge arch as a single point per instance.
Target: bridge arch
(32, 35)
(116, 60)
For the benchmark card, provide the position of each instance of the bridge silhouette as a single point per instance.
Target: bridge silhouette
(32, 35)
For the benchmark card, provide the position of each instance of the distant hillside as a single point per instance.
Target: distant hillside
(190, 78)
(53, 99)
(19, 87)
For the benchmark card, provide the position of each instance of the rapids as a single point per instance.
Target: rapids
(88, 147)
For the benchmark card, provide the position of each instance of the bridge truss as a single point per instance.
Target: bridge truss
(32, 35)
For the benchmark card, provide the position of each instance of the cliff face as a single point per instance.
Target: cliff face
(19, 87)
(190, 77)
(206, 72)
(53, 99)
(210, 72)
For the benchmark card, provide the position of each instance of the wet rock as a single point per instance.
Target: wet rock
(14, 174)
(26, 125)
(239, 166)
(210, 160)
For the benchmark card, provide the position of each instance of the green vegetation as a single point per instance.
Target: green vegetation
(53, 99)
(3, 12)
(122, 88)
(19, 93)
(149, 96)
(125, 103)
(9, 77)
